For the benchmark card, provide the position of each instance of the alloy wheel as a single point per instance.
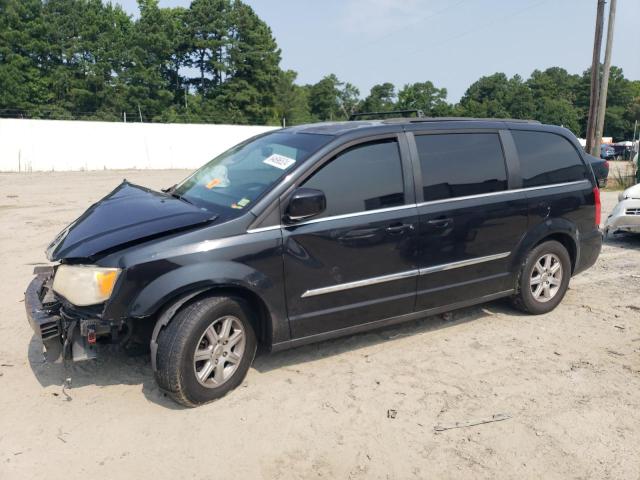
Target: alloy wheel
(546, 277)
(219, 351)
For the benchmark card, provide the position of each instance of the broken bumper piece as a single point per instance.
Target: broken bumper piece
(61, 335)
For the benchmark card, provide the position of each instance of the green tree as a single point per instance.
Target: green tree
(348, 99)
(207, 25)
(496, 96)
(426, 97)
(381, 98)
(253, 65)
(324, 98)
(22, 87)
(291, 101)
(555, 94)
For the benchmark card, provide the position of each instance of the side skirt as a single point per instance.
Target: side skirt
(365, 327)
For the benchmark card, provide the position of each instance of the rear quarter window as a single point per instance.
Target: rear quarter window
(547, 158)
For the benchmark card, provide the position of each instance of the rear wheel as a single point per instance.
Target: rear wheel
(544, 278)
(206, 350)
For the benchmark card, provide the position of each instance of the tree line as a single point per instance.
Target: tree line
(218, 62)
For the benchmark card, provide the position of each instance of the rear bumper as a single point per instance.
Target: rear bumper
(44, 320)
(590, 247)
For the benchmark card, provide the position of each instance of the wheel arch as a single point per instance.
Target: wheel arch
(262, 321)
(560, 230)
(567, 241)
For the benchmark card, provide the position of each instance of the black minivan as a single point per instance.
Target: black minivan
(316, 231)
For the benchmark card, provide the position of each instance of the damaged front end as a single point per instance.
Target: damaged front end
(67, 332)
(625, 217)
(66, 303)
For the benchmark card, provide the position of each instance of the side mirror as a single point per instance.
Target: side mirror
(305, 203)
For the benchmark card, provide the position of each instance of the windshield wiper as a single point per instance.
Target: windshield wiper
(179, 197)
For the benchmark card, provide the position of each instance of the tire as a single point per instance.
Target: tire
(535, 302)
(199, 329)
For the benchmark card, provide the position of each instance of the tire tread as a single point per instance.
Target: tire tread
(172, 342)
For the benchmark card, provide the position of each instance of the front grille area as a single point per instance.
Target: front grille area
(632, 211)
(50, 329)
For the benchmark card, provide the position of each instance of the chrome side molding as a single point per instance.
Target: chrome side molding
(399, 276)
(360, 283)
(463, 263)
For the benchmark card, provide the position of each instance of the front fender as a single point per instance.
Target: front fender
(201, 276)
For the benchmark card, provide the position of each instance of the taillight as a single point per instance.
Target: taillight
(596, 195)
(606, 164)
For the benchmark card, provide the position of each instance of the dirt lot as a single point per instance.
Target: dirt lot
(569, 380)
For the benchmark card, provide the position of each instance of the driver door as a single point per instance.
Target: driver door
(355, 263)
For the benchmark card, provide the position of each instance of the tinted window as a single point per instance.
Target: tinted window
(460, 164)
(546, 158)
(365, 177)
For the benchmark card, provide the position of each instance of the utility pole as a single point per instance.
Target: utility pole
(595, 78)
(602, 97)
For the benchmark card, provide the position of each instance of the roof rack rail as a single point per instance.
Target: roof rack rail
(470, 119)
(400, 113)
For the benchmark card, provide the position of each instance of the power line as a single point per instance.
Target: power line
(481, 27)
(393, 32)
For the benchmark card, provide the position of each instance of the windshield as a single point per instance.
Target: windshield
(238, 177)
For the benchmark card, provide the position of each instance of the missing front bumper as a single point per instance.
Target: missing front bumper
(61, 337)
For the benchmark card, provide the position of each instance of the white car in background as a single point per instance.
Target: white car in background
(626, 216)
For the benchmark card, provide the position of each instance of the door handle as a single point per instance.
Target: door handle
(440, 222)
(397, 228)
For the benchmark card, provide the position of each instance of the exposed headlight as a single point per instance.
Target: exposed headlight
(85, 285)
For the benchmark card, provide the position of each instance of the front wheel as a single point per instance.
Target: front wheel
(544, 278)
(206, 350)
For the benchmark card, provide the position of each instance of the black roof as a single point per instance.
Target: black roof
(339, 128)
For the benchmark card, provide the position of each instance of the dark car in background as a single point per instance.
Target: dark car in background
(317, 231)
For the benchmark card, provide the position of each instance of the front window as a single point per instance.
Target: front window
(238, 177)
(364, 177)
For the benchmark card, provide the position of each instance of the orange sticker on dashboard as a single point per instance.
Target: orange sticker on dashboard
(213, 183)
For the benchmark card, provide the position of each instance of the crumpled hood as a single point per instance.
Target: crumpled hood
(129, 213)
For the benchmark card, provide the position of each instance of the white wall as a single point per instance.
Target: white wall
(45, 145)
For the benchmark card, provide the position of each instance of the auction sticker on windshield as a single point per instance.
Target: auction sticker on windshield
(279, 161)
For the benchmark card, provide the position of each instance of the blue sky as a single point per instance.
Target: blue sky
(450, 42)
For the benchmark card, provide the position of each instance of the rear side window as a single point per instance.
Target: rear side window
(364, 177)
(547, 158)
(461, 164)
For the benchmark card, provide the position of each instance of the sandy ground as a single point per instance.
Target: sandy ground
(569, 380)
